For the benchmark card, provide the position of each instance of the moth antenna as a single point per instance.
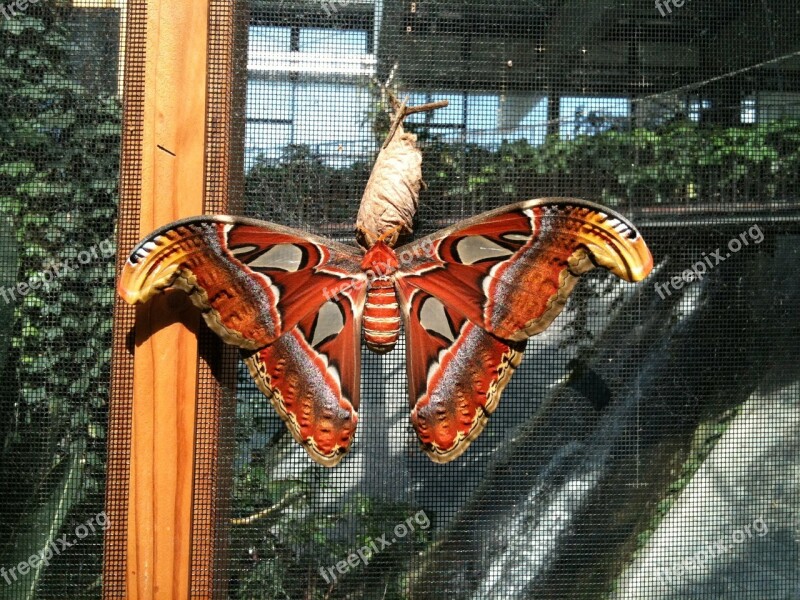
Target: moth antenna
(392, 72)
(363, 237)
(384, 87)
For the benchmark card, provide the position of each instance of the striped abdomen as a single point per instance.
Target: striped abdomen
(381, 323)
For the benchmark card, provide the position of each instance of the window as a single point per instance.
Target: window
(588, 116)
(297, 73)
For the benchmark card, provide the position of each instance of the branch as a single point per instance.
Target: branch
(270, 510)
(402, 111)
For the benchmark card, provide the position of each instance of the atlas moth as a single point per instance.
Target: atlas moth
(468, 297)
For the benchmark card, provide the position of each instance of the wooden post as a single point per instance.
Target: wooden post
(165, 360)
(159, 414)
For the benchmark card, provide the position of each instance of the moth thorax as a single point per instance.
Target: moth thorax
(381, 324)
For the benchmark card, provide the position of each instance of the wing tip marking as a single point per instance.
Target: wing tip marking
(263, 381)
(509, 361)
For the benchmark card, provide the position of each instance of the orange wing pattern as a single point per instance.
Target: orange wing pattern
(312, 376)
(290, 300)
(470, 296)
(456, 373)
(482, 288)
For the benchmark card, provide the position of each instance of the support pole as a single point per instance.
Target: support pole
(163, 502)
(165, 359)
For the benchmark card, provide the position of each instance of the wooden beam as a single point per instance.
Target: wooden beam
(216, 404)
(182, 155)
(165, 382)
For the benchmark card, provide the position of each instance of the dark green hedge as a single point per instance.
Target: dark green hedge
(679, 163)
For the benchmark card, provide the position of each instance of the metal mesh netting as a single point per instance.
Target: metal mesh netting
(645, 447)
(648, 446)
(59, 175)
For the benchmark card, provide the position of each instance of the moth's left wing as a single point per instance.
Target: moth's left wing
(292, 301)
(312, 376)
(456, 373)
(511, 270)
(473, 293)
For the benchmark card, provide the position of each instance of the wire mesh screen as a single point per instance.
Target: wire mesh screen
(59, 168)
(647, 445)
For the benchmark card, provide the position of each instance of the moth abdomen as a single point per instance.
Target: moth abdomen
(381, 316)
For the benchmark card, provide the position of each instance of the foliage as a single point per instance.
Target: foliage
(301, 190)
(286, 527)
(59, 152)
(279, 550)
(678, 163)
